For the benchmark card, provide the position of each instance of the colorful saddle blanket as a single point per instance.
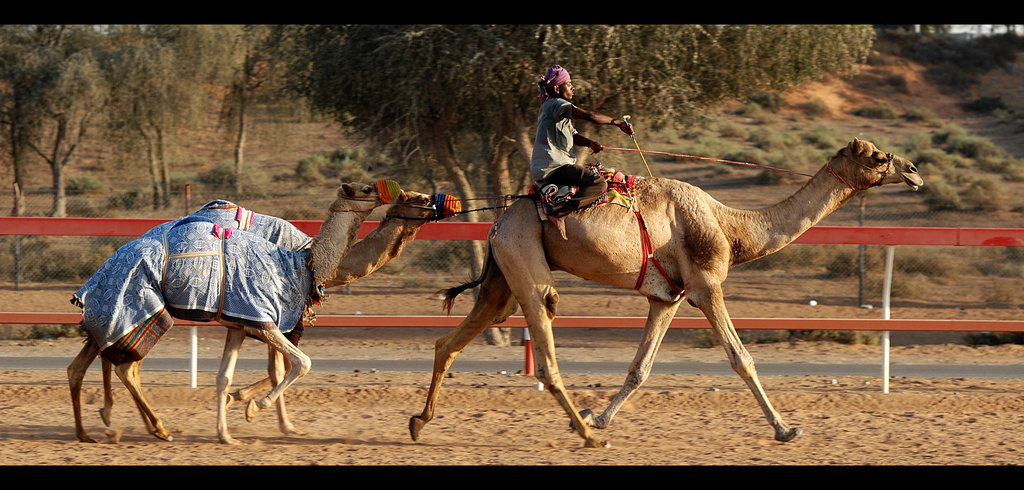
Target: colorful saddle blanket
(620, 191)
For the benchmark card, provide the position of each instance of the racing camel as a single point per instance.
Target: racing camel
(676, 243)
(260, 288)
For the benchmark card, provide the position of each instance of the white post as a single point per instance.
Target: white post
(886, 291)
(194, 364)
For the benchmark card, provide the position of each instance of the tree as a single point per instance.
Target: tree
(464, 97)
(53, 90)
(159, 75)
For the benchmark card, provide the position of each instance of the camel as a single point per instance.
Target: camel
(384, 244)
(693, 242)
(248, 254)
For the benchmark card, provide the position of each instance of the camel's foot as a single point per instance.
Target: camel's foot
(251, 409)
(226, 439)
(783, 434)
(595, 421)
(597, 443)
(162, 433)
(415, 426)
(105, 415)
(255, 406)
(290, 430)
(83, 437)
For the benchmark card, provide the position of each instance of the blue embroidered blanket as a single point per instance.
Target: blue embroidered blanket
(266, 279)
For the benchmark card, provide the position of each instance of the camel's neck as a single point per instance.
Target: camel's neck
(383, 244)
(336, 236)
(756, 233)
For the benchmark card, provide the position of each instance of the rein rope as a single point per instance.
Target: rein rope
(718, 160)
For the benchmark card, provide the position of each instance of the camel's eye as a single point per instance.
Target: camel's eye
(881, 157)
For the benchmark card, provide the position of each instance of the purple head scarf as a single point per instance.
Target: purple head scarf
(555, 76)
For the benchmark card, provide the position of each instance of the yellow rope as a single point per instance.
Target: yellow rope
(626, 118)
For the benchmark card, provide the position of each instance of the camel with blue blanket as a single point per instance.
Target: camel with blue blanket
(255, 274)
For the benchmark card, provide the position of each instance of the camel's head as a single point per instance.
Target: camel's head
(411, 205)
(861, 165)
(357, 196)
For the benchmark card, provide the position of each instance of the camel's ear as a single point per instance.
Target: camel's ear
(346, 190)
(858, 147)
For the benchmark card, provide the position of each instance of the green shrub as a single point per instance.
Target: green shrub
(1013, 170)
(876, 110)
(1010, 169)
(133, 198)
(948, 132)
(984, 105)
(897, 82)
(221, 180)
(929, 261)
(308, 169)
(972, 147)
(939, 195)
(994, 338)
(939, 160)
(850, 337)
(733, 130)
(922, 115)
(916, 144)
(56, 258)
(950, 75)
(815, 108)
(822, 137)
(983, 195)
(770, 101)
(84, 184)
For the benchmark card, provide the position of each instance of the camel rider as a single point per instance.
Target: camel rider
(553, 165)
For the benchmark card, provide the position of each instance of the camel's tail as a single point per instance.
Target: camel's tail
(450, 293)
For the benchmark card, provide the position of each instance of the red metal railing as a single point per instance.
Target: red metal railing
(890, 236)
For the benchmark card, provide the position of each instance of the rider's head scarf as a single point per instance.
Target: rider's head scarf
(555, 76)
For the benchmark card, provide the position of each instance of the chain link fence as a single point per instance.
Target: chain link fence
(929, 281)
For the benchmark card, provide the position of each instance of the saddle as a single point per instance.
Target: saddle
(552, 199)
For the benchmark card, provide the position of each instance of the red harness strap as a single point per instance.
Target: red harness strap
(648, 253)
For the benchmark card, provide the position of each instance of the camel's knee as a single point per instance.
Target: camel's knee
(223, 380)
(300, 363)
(742, 364)
(636, 378)
(551, 301)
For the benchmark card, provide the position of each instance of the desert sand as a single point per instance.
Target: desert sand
(360, 417)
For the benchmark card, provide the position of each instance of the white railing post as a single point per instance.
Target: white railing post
(193, 362)
(886, 292)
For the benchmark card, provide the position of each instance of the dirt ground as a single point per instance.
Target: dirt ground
(501, 418)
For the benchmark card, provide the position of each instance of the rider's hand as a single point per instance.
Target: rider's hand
(625, 127)
(595, 146)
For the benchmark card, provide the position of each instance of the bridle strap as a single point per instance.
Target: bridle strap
(888, 157)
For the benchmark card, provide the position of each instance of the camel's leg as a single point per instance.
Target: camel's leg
(76, 373)
(539, 310)
(659, 318)
(277, 365)
(246, 394)
(493, 305)
(108, 393)
(712, 304)
(129, 373)
(299, 362)
(533, 286)
(232, 343)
